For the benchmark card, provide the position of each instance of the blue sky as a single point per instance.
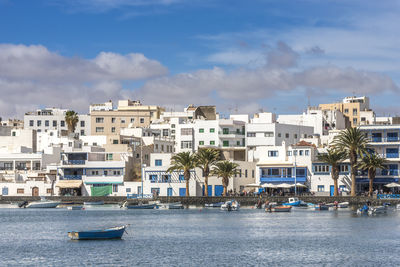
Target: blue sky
(243, 56)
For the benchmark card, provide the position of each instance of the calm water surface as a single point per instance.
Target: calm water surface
(194, 237)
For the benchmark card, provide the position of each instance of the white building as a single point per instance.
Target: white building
(43, 120)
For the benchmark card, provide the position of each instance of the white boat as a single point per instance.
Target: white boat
(43, 204)
(377, 210)
(170, 206)
(343, 205)
(231, 205)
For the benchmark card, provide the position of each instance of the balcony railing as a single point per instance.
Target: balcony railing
(392, 155)
(72, 177)
(382, 139)
(75, 162)
(282, 179)
(231, 132)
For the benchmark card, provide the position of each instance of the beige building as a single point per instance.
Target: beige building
(109, 121)
(351, 107)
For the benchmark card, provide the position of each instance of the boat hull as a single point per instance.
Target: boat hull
(42, 205)
(295, 204)
(214, 205)
(143, 206)
(111, 233)
(93, 203)
(321, 207)
(279, 209)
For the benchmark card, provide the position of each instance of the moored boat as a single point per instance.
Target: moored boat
(214, 205)
(231, 205)
(109, 233)
(321, 207)
(170, 206)
(42, 204)
(295, 202)
(75, 208)
(279, 209)
(377, 210)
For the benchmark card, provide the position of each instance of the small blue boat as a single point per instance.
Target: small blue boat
(110, 233)
(293, 201)
(321, 207)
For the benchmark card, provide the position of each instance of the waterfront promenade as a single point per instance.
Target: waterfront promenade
(200, 201)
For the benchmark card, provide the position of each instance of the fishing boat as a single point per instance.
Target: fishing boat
(170, 206)
(214, 205)
(321, 207)
(279, 209)
(93, 203)
(146, 206)
(109, 233)
(231, 205)
(42, 204)
(295, 202)
(75, 208)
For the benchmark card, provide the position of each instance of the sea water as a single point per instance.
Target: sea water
(200, 237)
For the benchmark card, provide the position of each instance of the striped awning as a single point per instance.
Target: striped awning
(69, 184)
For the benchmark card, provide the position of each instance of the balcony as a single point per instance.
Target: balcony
(231, 133)
(392, 155)
(282, 179)
(383, 140)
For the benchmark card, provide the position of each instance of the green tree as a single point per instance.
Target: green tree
(225, 170)
(354, 143)
(333, 158)
(184, 161)
(71, 118)
(370, 163)
(205, 159)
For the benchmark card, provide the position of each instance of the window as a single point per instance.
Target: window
(307, 152)
(132, 120)
(269, 134)
(225, 130)
(172, 131)
(355, 121)
(172, 125)
(201, 143)
(156, 146)
(13, 133)
(279, 135)
(212, 143)
(109, 156)
(249, 134)
(39, 123)
(321, 188)
(113, 129)
(115, 142)
(295, 136)
(20, 190)
(82, 123)
(47, 123)
(49, 190)
(141, 120)
(128, 190)
(245, 173)
(287, 135)
(186, 131)
(295, 152)
(362, 118)
(99, 129)
(95, 172)
(122, 120)
(201, 130)
(288, 153)
(272, 153)
(70, 144)
(212, 130)
(165, 132)
(99, 120)
(354, 112)
(300, 172)
(301, 152)
(162, 148)
(54, 123)
(62, 123)
(344, 168)
(31, 122)
(158, 162)
(186, 144)
(225, 143)
(82, 132)
(112, 120)
(238, 143)
(115, 188)
(346, 110)
(252, 173)
(181, 177)
(240, 173)
(117, 172)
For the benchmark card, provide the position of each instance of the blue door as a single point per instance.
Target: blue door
(219, 189)
(4, 191)
(332, 190)
(209, 190)
(182, 192)
(169, 191)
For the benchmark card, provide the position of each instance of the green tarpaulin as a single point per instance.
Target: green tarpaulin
(99, 191)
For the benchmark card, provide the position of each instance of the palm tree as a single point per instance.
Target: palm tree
(225, 169)
(205, 159)
(354, 143)
(71, 118)
(184, 161)
(370, 163)
(333, 158)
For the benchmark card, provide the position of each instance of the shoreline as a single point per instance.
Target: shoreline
(199, 201)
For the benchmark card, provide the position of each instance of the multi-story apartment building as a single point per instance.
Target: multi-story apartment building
(109, 121)
(43, 120)
(351, 107)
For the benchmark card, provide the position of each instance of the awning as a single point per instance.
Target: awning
(69, 184)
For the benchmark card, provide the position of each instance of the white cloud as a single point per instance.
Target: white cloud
(32, 76)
